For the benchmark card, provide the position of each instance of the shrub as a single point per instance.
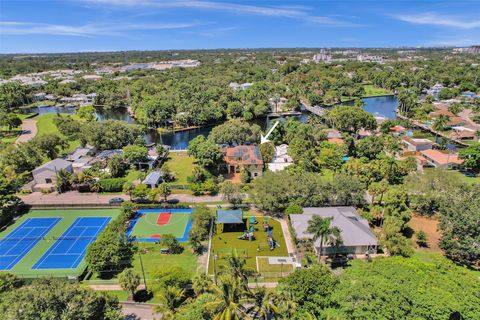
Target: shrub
(169, 241)
(294, 209)
(112, 184)
(422, 239)
(173, 276)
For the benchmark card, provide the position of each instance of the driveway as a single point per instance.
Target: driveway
(136, 311)
(29, 130)
(77, 198)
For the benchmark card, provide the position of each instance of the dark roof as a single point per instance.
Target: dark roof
(229, 216)
(244, 155)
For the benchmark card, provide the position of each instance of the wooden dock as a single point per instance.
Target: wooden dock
(316, 110)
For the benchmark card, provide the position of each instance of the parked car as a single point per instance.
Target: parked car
(116, 200)
(141, 200)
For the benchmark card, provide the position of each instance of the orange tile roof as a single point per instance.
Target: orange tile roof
(441, 158)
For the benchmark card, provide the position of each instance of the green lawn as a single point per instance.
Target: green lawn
(152, 259)
(372, 91)
(265, 266)
(45, 125)
(464, 178)
(224, 243)
(133, 175)
(181, 165)
(23, 267)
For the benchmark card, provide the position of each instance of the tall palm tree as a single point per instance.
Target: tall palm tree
(231, 297)
(202, 283)
(320, 229)
(63, 180)
(441, 123)
(286, 302)
(236, 266)
(263, 305)
(170, 299)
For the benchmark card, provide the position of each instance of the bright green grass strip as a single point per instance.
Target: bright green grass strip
(226, 242)
(372, 91)
(265, 266)
(45, 125)
(181, 165)
(23, 267)
(147, 226)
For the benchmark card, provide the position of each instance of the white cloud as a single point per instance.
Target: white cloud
(439, 20)
(297, 12)
(87, 30)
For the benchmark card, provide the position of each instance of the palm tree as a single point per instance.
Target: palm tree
(170, 299)
(320, 229)
(263, 305)
(236, 266)
(202, 283)
(286, 301)
(63, 180)
(231, 297)
(440, 124)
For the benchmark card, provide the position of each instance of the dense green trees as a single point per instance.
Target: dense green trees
(207, 153)
(459, 222)
(110, 134)
(403, 288)
(235, 132)
(274, 192)
(471, 157)
(13, 95)
(57, 299)
(351, 119)
(111, 95)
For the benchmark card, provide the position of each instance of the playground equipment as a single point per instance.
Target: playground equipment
(247, 235)
(271, 241)
(253, 220)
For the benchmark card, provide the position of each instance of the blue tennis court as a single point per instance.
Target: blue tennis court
(21, 240)
(68, 251)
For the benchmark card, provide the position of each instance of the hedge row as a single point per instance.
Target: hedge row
(112, 185)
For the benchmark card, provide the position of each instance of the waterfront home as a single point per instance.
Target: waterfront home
(398, 130)
(356, 235)
(416, 144)
(46, 174)
(441, 159)
(281, 159)
(243, 157)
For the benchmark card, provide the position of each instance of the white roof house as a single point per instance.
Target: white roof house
(281, 159)
(356, 234)
(47, 173)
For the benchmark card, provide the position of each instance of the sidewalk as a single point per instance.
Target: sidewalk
(29, 130)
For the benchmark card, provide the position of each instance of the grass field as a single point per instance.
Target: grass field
(225, 242)
(264, 266)
(181, 165)
(145, 226)
(372, 91)
(152, 259)
(45, 125)
(24, 267)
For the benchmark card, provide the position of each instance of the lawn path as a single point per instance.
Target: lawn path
(29, 130)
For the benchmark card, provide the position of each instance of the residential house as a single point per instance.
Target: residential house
(357, 237)
(244, 158)
(281, 159)
(397, 130)
(93, 77)
(415, 144)
(332, 133)
(82, 158)
(435, 90)
(441, 160)
(153, 179)
(46, 174)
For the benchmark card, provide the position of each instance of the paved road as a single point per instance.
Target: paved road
(76, 198)
(29, 130)
(137, 311)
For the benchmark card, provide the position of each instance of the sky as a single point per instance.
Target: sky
(44, 26)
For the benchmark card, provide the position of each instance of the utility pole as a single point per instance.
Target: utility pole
(143, 271)
(215, 269)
